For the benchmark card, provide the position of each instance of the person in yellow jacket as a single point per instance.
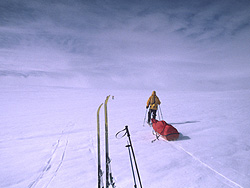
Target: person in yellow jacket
(153, 103)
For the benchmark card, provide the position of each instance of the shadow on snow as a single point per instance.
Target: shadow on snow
(182, 137)
(186, 122)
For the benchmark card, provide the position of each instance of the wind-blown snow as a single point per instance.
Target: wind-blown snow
(48, 138)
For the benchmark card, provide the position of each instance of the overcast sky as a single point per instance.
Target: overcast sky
(150, 44)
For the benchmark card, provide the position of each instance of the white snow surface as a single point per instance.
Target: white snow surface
(48, 138)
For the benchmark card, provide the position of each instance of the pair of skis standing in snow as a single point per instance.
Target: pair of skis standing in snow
(109, 177)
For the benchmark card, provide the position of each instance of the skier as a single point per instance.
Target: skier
(153, 102)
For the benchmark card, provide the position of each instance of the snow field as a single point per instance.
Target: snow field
(48, 138)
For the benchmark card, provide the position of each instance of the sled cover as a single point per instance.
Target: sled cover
(165, 130)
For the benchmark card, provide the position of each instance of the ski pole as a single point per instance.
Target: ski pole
(145, 117)
(126, 127)
(132, 150)
(159, 114)
(160, 111)
(131, 163)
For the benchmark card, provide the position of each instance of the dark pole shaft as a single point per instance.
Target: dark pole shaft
(137, 170)
(131, 163)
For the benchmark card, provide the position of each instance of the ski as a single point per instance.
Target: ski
(100, 173)
(109, 177)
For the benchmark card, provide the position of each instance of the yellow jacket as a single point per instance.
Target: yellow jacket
(153, 101)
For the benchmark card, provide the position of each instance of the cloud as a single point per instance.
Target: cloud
(127, 43)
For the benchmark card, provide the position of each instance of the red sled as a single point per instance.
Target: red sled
(165, 130)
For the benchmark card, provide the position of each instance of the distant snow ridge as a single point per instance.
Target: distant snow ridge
(55, 161)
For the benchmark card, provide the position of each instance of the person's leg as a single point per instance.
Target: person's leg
(154, 114)
(149, 115)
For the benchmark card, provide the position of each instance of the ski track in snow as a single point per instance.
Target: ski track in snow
(64, 140)
(230, 182)
(60, 164)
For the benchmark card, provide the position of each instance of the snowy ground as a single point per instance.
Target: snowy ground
(48, 138)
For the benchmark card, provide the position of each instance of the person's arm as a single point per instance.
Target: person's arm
(148, 102)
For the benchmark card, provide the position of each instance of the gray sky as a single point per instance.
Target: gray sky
(150, 44)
